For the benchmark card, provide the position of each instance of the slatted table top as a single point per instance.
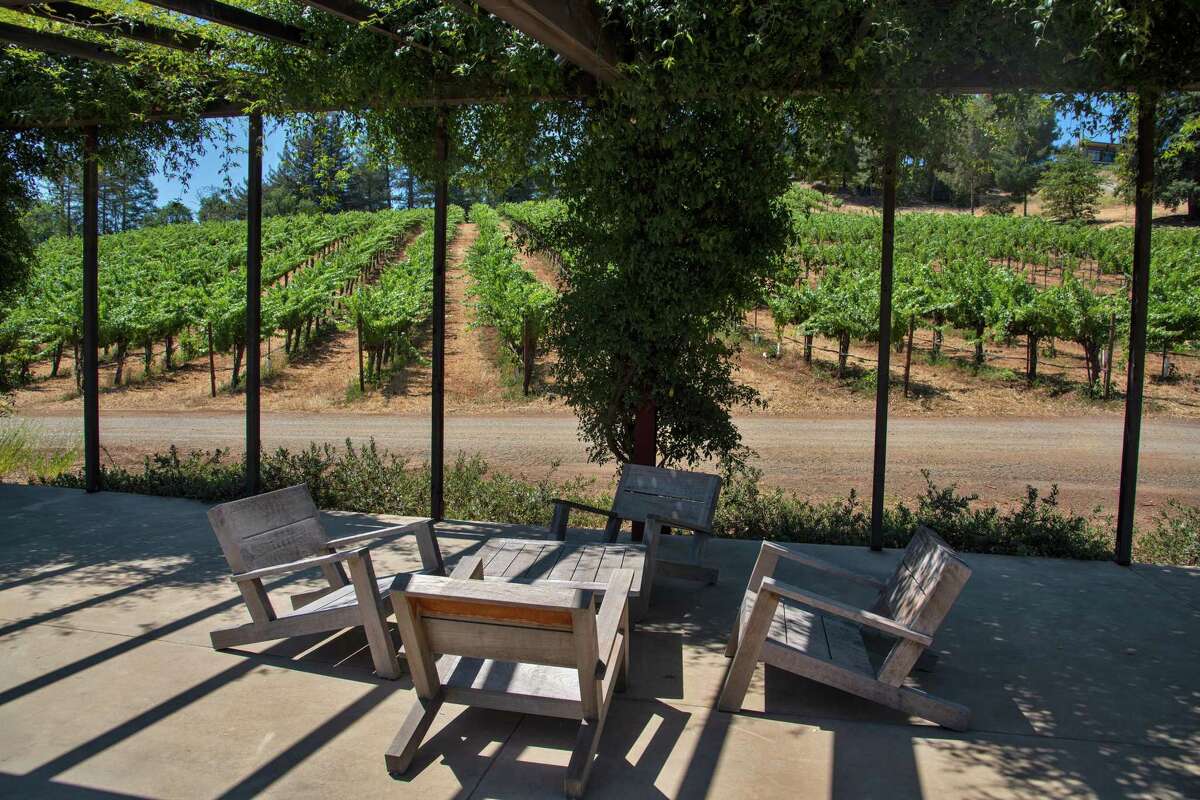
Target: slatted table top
(585, 565)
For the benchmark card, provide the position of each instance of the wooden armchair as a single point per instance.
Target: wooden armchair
(536, 649)
(822, 639)
(280, 532)
(662, 499)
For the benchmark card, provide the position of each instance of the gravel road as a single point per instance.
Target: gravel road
(819, 458)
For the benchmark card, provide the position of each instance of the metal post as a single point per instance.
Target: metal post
(1142, 218)
(883, 374)
(91, 311)
(253, 303)
(437, 402)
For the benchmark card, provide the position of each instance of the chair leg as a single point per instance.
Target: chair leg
(732, 645)
(404, 747)
(580, 766)
(379, 638)
(748, 650)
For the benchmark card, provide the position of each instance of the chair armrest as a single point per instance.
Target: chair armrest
(604, 512)
(612, 611)
(659, 522)
(469, 568)
(302, 564)
(823, 565)
(839, 609)
(407, 527)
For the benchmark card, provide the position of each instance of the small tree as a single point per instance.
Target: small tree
(1071, 187)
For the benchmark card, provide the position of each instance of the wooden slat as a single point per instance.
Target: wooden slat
(506, 551)
(97, 20)
(523, 643)
(570, 28)
(568, 560)
(455, 608)
(589, 563)
(526, 558)
(846, 646)
(62, 45)
(542, 689)
(234, 17)
(541, 595)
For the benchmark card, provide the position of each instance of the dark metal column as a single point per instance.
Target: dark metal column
(91, 311)
(437, 442)
(253, 303)
(883, 375)
(1143, 217)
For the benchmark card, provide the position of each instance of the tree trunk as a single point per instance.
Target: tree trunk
(645, 445)
(1193, 206)
(1166, 365)
(808, 348)
(1031, 347)
(168, 349)
(77, 368)
(121, 348)
(979, 344)
(237, 364)
(843, 352)
(358, 326)
(56, 360)
(1025, 204)
(1108, 358)
(528, 353)
(912, 325)
(147, 359)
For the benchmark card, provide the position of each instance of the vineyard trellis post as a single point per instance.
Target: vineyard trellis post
(437, 399)
(1142, 220)
(883, 371)
(253, 302)
(91, 310)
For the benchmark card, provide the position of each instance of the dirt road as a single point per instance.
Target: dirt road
(819, 458)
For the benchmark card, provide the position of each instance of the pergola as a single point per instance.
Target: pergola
(574, 30)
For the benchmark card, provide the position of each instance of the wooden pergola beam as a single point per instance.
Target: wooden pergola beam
(62, 45)
(234, 17)
(570, 28)
(97, 20)
(361, 14)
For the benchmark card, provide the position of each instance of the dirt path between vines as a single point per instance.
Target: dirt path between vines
(820, 458)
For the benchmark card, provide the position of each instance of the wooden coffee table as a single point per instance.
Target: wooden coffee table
(584, 565)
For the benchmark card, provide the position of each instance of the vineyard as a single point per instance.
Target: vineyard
(507, 297)
(184, 286)
(997, 280)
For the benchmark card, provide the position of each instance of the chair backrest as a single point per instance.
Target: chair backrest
(919, 594)
(269, 529)
(532, 624)
(685, 498)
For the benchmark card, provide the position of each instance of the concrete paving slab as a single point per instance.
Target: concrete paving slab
(1082, 679)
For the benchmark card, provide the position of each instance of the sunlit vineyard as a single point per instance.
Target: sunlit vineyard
(507, 297)
(996, 279)
(184, 286)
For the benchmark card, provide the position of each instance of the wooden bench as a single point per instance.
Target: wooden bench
(822, 639)
(661, 499)
(280, 532)
(536, 649)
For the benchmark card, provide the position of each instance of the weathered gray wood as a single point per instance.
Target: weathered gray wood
(818, 564)
(281, 532)
(831, 649)
(838, 608)
(416, 723)
(751, 639)
(534, 649)
(379, 640)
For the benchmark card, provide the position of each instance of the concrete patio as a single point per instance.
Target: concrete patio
(1084, 680)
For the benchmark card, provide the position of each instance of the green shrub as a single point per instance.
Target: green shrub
(1174, 539)
(23, 453)
(369, 480)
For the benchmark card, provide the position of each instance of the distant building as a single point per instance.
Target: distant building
(1099, 152)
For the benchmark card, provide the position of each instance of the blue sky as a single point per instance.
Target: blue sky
(208, 172)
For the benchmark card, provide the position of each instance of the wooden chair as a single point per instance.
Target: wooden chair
(536, 649)
(662, 499)
(280, 532)
(822, 639)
